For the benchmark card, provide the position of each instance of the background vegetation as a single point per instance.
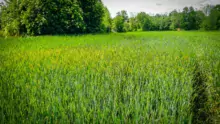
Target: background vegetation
(28, 17)
(40, 17)
(207, 18)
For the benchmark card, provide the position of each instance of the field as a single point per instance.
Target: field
(142, 77)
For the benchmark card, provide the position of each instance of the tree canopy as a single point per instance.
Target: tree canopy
(51, 17)
(40, 17)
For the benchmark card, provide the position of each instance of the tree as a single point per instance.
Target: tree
(0, 17)
(118, 24)
(218, 18)
(144, 21)
(1, 4)
(156, 22)
(127, 27)
(215, 16)
(199, 17)
(10, 18)
(121, 22)
(133, 24)
(162, 22)
(39, 17)
(175, 18)
(185, 18)
(62, 17)
(141, 18)
(107, 21)
(207, 9)
(93, 12)
(124, 15)
(191, 19)
(212, 21)
(147, 25)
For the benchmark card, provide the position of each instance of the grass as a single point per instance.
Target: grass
(143, 77)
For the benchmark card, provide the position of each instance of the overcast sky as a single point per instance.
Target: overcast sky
(153, 6)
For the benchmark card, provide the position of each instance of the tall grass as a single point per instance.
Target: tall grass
(118, 78)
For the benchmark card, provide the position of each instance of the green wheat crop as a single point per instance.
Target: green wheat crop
(153, 77)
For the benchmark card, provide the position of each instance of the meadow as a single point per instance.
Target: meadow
(141, 77)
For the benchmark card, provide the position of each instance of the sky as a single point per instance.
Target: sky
(153, 6)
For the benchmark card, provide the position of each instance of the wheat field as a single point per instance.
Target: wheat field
(141, 77)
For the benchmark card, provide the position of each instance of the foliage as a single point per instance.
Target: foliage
(10, 18)
(188, 21)
(200, 17)
(51, 17)
(123, 14)
(211, 21)
(144, 21)
(127, 26)
(160, 22)
(39, 17)
(175, 20)
(63, 17)
(107, 21)
(0, 21)
(93, 12)
(119, 24)
(133, 24)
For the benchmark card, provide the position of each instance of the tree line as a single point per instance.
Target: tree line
(40, 17)
(207, 18)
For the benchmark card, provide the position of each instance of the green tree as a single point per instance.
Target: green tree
(215, 17)
(163, 22)
(118, 24)
(192, 19)
(207, 9)
(121, 22)
(93, 12)
(185, 18)
(127, 27)
(124, 15)
(175, 18)
(41, 17)
(32, 18)
(217, 8)
(10, 17)
(144, 21)
(212, 21)
(53, 17)
(141, 18)
(133, 24)
(107, 21)
(199, 17)
(1, 4)
(0, 17)
(62, 17)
